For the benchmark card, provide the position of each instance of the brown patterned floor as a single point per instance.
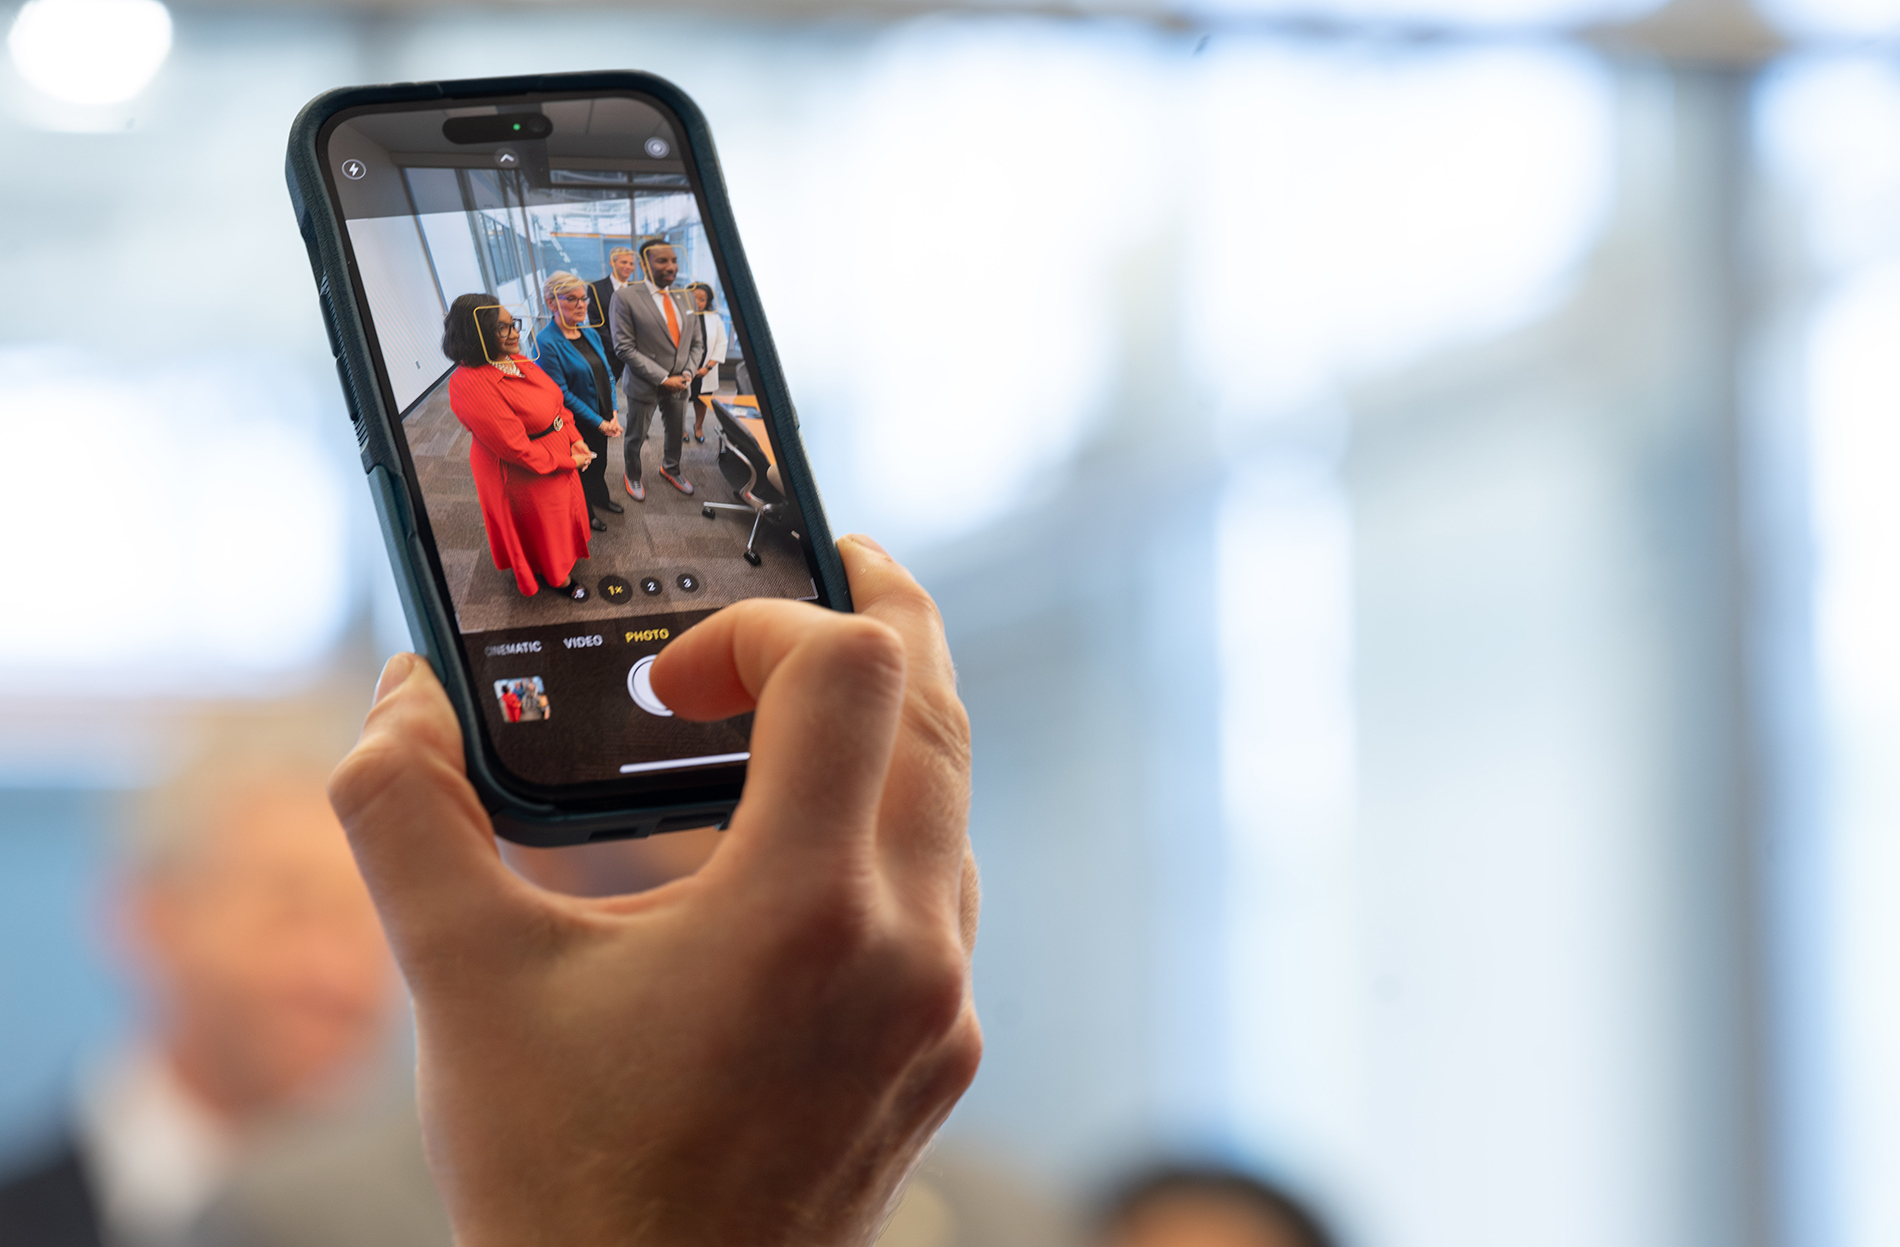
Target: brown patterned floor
(664, 537)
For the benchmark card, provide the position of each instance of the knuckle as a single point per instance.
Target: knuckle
(364, 774)
(937, 716)
(962, 1053)
(864, 649)
(874, 641)
(913, 597)
(835, 929)
(937, 994)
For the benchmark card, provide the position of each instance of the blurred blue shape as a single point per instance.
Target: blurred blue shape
(59, 997)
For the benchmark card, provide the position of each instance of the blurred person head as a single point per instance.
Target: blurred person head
(662, 262)
(257, 947)
(621, 260)
(1205, 1206)
(702, 296)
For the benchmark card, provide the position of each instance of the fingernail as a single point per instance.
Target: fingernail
(395, 671)
(867, 543)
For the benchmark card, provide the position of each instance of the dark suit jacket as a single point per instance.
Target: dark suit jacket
(48, 1203)
(600, 297)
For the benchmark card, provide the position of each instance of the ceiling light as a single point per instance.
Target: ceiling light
(90, 51)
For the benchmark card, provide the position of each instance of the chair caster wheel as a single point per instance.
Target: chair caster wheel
(752, 557)
(706, 511)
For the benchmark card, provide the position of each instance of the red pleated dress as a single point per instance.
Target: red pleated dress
(529, 489)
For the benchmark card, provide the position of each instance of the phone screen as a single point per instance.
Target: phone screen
(579, 415)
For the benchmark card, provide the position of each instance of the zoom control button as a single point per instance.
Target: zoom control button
(651, 586)
(687, 582)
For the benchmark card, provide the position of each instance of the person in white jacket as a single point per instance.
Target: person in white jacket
(706, 380)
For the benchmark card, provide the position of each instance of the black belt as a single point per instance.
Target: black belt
(535, 437)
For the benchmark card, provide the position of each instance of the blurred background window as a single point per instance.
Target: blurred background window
(1408, 482)
(1830, 135)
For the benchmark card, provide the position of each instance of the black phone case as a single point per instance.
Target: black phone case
(533, 819)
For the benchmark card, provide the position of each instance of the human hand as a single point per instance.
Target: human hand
(582, 455)
(755, 1054)
(673, 383)
(610, 427)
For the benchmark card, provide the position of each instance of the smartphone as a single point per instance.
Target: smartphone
(575, 428)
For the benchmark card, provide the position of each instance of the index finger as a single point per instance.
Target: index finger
(924, 815)
(882, 589)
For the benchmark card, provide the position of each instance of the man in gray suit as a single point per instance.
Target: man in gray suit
(661, 344)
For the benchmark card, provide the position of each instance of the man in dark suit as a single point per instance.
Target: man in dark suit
(600, 294)
(661, 344)
(267, 975)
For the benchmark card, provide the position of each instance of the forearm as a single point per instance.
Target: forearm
(584, 416)
(646, 368)
(536, 455)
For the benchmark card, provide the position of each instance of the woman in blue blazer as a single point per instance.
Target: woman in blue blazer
(572, 354)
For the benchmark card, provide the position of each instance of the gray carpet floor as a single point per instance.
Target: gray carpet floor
(664, 538)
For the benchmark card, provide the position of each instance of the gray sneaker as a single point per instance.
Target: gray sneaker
(635, 489)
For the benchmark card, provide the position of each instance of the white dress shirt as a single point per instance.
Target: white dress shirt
(155, 1156)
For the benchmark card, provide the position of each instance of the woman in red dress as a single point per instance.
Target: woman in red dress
(527, 454)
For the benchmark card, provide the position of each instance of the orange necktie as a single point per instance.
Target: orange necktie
(672, 317)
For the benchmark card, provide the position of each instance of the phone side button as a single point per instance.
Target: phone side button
(383, 483)
(349, 396)
(329, 324)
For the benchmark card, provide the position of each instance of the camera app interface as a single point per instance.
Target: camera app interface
(597, 471)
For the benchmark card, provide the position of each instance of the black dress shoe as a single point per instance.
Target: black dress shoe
(600, 525)
(611, 505)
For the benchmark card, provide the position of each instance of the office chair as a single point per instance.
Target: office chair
(743, 462)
